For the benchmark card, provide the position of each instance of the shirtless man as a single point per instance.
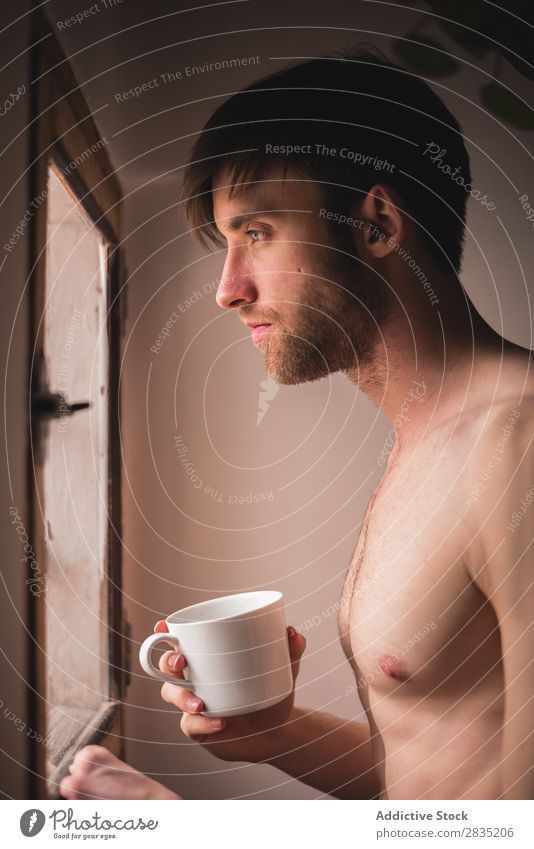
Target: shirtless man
(436, 611)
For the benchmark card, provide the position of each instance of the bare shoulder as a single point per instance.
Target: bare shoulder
(500, 444)
(501, 413)
(499, 495)
(504, 431)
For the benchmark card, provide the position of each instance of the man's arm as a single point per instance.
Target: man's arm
(504, 571)
(329, 753)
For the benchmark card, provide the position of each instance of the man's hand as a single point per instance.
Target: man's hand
(253, 737)
(95, 773)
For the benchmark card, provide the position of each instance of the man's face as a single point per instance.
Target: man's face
(289, 267)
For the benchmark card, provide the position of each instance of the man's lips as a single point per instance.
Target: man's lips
(259, 330)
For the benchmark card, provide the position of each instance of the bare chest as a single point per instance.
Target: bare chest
(409, 612)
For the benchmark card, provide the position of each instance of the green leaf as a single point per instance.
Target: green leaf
(425, 57)
(507, 106)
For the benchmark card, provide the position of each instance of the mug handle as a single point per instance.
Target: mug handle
(145, 658)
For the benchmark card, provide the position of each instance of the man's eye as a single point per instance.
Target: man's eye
(256, 235)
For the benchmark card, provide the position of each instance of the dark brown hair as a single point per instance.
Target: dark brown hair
(354, 101)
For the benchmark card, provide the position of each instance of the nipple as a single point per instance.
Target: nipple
(393, 667)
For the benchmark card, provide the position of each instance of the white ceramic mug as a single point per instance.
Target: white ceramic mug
(236, 650)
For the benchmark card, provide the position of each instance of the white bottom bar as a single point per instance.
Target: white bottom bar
(264, 824)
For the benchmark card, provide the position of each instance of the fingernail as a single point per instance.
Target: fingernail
(291, 632)
(217, 724)
(193, 703)
(173, 661)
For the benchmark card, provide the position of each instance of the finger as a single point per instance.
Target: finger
(297, 645)
(88, 757)
(181, 698)
(172, 663)
(196, 726)
(68, 788)
(161, 628)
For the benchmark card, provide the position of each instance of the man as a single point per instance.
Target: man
(339, 188)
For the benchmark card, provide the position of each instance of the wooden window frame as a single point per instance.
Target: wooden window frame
(62, 130)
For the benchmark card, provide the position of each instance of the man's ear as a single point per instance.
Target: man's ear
(384, 226)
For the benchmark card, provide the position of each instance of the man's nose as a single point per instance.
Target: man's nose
(236, 287)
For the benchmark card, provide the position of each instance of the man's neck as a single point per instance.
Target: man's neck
(428, 358)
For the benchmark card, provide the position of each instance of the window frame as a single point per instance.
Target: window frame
(62, 130)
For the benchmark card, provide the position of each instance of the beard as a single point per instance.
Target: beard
(338, 328)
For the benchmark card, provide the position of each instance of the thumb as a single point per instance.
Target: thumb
(297, 646)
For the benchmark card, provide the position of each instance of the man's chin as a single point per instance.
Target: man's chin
(284, 379)
(297, 361)
(292, 374)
